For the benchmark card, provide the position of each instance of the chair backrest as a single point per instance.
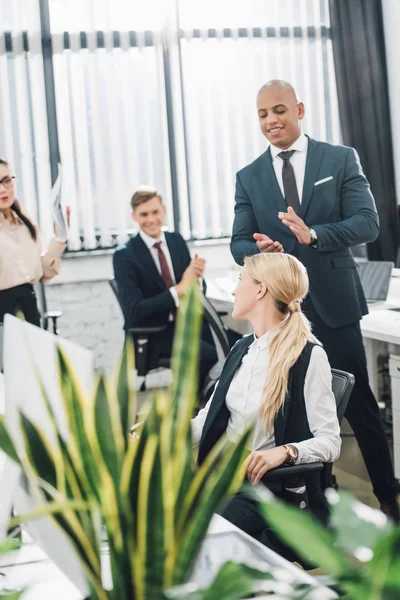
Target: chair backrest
(114, 287)
(342, 385)
(217, 328)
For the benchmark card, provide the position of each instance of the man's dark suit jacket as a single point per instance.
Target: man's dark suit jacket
(341, 210)
(145, 299)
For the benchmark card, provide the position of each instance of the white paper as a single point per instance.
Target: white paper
(59, 217)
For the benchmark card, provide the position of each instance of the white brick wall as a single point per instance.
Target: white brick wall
(91, 317)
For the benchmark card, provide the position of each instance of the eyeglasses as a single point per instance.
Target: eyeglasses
(7, 181)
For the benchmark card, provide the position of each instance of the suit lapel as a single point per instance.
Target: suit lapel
(143, 255)
(270, 182)
(314, 157)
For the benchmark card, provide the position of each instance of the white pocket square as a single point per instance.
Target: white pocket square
(323, 180)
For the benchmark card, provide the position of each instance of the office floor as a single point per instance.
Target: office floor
(350, 470)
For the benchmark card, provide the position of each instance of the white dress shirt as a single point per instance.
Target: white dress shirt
(149, 241)
(298, 162)
(244, 398)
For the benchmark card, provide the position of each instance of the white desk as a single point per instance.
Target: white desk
(382, 325)
(30, 569)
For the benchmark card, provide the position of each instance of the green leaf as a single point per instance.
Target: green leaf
(126, 391)
(302, 533)
(185, 360)
(11, 595)
(104, 431)
(6, 443)
(383, 571)
(232, 582)
(76, 405)
(39, 452)
(217, 486)
(357, 526)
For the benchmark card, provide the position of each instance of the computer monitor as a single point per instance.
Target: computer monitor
(28, 352)
(375, 279)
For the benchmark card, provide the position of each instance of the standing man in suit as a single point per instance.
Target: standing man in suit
(152, 271)
(311, 199)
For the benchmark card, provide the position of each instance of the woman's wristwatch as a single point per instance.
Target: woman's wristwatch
(292, 454)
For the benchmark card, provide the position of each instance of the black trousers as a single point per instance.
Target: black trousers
(161, 347)
(345, 350)
(21, 298)
(244, 512)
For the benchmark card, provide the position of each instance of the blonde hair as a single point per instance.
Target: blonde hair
(286, 280)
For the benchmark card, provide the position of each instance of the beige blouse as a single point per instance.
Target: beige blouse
(21, 257)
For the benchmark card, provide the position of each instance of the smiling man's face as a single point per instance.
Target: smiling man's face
(279, 114)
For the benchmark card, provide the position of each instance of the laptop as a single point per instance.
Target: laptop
(375, 279)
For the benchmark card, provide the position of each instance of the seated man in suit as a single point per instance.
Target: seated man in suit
(153, 270)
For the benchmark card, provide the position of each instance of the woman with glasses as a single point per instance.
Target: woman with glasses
(22, 261)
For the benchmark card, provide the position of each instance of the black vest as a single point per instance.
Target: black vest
(291, 424)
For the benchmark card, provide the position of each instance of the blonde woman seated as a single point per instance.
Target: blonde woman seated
(278, 379)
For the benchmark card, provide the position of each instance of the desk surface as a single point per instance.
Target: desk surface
(382, 323)
(30, 569)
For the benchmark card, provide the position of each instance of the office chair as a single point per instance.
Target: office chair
(295, 476)
(140, 337)
(222, 345)
(342, 386)
(218, 331)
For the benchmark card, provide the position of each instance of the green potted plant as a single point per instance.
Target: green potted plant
(155, 505)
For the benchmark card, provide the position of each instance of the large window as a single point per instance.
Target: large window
(162, 92)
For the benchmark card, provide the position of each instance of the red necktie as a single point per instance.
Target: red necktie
(165, 270)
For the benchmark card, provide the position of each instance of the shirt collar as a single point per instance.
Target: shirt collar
(150, 241)
(301, 145)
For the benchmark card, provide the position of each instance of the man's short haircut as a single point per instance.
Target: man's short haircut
(143, 194)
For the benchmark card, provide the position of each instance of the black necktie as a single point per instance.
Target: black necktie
(289, 182)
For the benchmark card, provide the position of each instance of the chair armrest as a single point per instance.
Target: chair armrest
(286, 471)
(146, 330)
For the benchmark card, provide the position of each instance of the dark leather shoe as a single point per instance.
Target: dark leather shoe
(392, 511)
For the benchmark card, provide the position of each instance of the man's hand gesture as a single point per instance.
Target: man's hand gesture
(297, 225)
(265, 244)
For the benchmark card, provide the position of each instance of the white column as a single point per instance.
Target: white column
(391, 19)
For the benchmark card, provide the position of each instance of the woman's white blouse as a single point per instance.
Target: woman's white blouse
(21, 257)
(244, 397)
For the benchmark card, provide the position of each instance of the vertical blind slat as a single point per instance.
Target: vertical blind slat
(22, 101)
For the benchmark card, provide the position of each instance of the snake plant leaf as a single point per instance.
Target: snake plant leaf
(6, 443)
(39, 451)
(154, 559)
(105, 433)
(302, 533)
(76, 404)
(185, 359)
(207, 502)
(125, 387)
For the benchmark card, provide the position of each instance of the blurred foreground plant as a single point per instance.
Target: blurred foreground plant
(155, 505)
